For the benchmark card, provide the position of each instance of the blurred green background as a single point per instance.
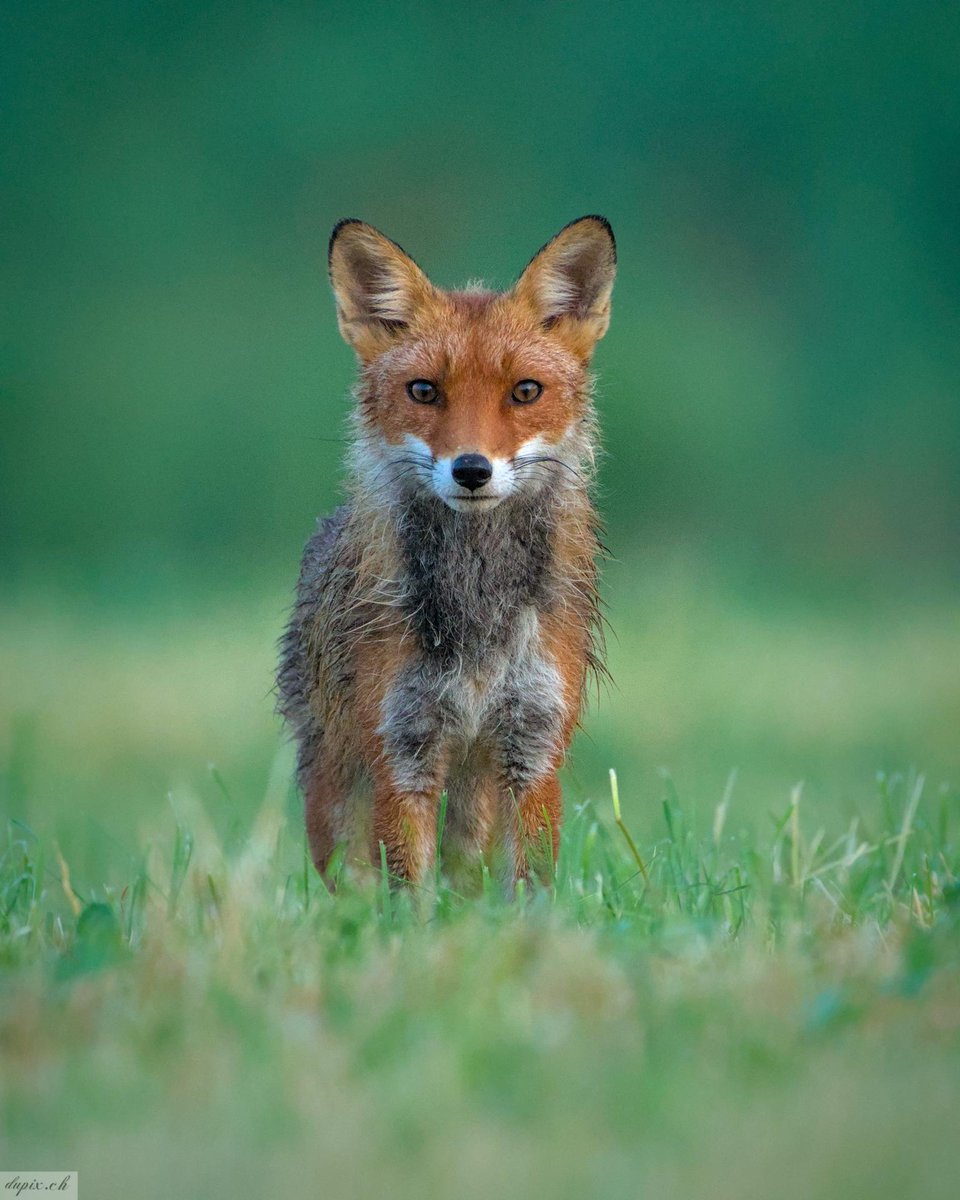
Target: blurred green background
(778, 390)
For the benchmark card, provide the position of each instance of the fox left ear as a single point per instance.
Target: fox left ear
(379, 289)
(568, 283)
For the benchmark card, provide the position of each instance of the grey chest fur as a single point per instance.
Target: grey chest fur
(471, 579)
(477, 586)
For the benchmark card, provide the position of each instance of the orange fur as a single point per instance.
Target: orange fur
(389, 708)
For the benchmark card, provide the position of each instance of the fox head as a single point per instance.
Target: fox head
(473, 396)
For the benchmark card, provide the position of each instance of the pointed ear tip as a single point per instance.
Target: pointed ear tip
(597, 219)
(340, 226)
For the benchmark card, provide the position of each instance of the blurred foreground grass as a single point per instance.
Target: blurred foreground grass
(183, 1011)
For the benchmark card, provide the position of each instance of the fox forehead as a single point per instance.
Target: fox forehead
(466, 335)
(475, 346)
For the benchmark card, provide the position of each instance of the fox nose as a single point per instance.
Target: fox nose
(471, 471)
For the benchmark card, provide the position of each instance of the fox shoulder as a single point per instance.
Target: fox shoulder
(319, 555)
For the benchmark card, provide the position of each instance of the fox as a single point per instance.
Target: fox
(447, 616)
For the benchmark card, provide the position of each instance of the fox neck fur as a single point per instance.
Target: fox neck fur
(464, 582)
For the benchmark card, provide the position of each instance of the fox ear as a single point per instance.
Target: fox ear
(378, 288)
(568, 283)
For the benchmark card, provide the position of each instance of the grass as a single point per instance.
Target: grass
(734, 985)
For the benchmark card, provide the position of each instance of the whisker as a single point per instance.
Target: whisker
(534, 460)
(399, 469)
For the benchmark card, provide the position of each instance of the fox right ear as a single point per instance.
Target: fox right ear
(378, 287)
(567, 285)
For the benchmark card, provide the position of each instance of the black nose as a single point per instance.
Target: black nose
(472, 471)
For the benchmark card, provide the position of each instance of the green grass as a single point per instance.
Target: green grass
(770, 1006)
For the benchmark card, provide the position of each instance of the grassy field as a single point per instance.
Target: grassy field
(771, 1005)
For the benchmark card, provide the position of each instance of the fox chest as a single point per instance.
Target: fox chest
(436, 713)
(479, 676)
(474, 588)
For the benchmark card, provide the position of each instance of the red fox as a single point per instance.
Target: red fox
(446, 616)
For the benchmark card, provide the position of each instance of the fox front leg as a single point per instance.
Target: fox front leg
(531, 739)
(405, 826)
(409, 775)
(535, 816)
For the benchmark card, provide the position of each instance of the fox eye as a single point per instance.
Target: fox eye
(422, 391)
(526, 391)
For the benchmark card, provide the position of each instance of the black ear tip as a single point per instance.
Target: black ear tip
(338, 229)
(607, 227)
(373, 233)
